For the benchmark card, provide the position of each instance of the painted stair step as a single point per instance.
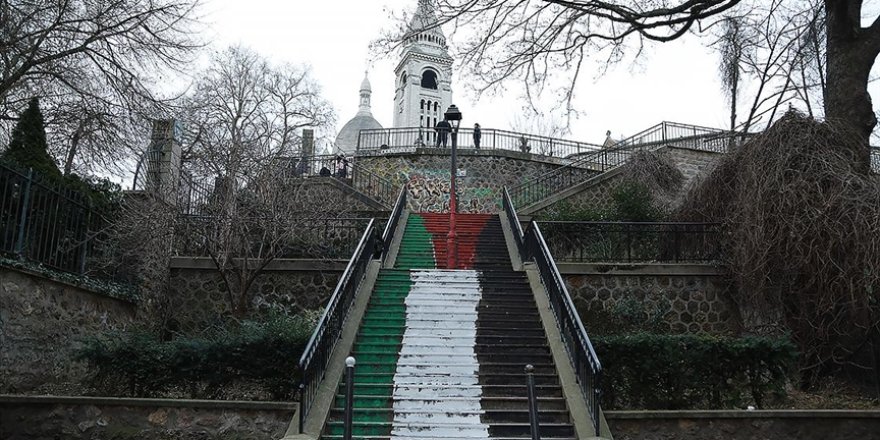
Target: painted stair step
(449, 411)
(370, 437)
(454, 336)
(457, 369)
(506, 391)
(434, 347)
(448, 431)
(486, 403)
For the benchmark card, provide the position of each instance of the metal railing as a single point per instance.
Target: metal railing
(587, 367)
(396, 139)
(309, 237)
(875, 159)
(585, 242)
(315, 357)
(513, 221)
(391, 224)
(46, 223)
(597, 162)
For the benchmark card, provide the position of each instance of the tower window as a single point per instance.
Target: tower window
(403, 79)
(429, 79)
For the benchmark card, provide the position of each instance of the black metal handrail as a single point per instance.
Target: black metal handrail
(390, 139)
(679, 242)
(513, 220)
(587, 367)
(391, 224)
(315, 357)
(372, 184)
(596, 162)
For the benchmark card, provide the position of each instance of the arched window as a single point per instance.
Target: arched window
(422, 105)
(429, 79)
(403, 79)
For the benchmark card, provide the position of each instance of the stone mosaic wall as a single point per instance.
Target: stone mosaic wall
(42, 323)
(197, 295)
(96, 418)
(479, 190)
(693, 303)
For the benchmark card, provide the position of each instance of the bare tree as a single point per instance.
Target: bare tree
(528, 40)
(242, 124)
(90, 62)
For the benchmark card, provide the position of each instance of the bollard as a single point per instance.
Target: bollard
(533, 402)
(349, 395)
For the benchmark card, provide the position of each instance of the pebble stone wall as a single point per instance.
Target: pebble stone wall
(42, 324)
(197, 295)
(694, 303)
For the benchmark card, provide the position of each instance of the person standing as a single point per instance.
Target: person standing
(443, 128)
(477, 135)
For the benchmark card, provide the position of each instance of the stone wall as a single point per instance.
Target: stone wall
(197, 295)
(42, 323)
(479, 188)
(691, 163)
(38, 418)
(693, 298)
(744, 425)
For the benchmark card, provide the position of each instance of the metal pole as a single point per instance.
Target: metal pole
(25, 207)
(451, 238)
(349, 395)
(533, 402)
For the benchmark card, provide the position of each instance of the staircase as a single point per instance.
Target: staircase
(440, 353)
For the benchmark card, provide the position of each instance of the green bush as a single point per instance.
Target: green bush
(633, 202)
(650, 371)
(629, 315)
(138, 363)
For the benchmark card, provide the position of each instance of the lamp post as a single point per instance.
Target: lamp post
(453, 115)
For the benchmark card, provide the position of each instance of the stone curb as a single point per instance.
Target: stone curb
(122, 401)
(744, 414)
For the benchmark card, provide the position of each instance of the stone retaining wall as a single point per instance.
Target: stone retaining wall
(197, 295)
(486, 172)
(49, 418)
(42, 323)
(695, 297)
(744, 425)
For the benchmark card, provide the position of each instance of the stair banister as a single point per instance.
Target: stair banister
(393, 220)
(580, 350)
(316, 355)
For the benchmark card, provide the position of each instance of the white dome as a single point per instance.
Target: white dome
(346, 140)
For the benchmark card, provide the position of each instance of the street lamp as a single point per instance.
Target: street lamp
(453, 115)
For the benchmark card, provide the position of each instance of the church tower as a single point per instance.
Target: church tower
(423, 89)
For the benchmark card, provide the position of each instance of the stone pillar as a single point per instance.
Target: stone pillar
(308, 142)
(163, 161)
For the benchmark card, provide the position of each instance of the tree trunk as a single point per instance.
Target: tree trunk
(851, 51)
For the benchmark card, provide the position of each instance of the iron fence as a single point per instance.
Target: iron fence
(580, 350)
(391, 224)
(590, 242)
(875, 159)
(322, 238)
(396, 139)
(46, 223)
(513, 222)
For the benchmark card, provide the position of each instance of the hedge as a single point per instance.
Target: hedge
(137, 363)
(653, 371)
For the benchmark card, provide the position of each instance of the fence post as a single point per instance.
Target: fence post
(25, 207)
(533, 402)
(85, 242)
(349, 396)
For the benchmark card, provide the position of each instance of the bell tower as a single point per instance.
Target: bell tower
(423, 89)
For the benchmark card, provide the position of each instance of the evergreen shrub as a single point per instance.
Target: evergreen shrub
(139, 363)
(670, 372)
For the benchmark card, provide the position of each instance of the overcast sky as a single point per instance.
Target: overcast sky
(676, 81)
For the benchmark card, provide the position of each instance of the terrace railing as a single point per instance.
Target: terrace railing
(43, 222)
(630, 242)
(397, 139)
(391, 224)
(587, 367)
(875, 159)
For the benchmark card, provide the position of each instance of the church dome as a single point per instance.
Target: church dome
(346, 140)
